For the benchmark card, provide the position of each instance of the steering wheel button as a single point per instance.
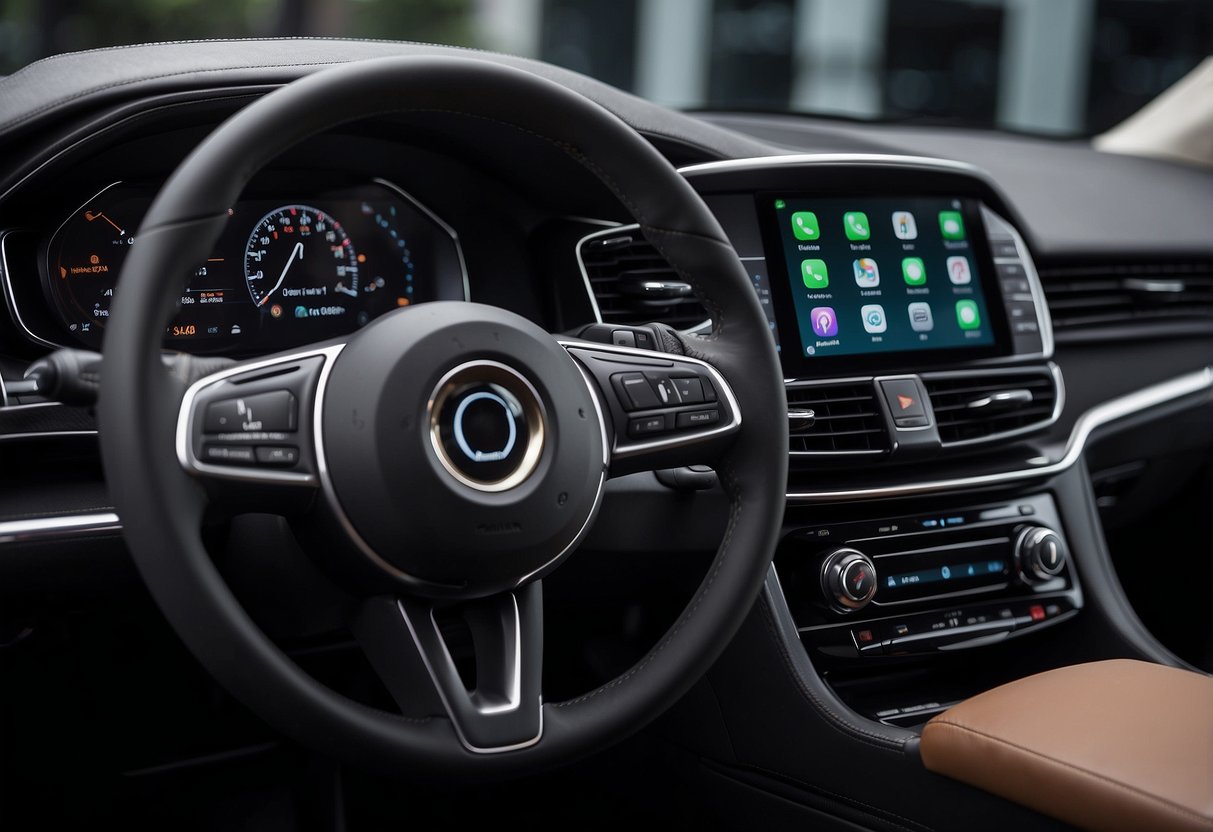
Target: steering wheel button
(667, 393)
(697, 419)
(272, 411)
(623, 338)
(278, 455)
(690, 389)
(646, 425)
(229, 454)
(636, 392)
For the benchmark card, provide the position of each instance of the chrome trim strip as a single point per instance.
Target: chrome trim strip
(438, 221)
(513, 664)
(50, 528)
(1110, 411)
(185, 422)
(793, 159)
(722, 386)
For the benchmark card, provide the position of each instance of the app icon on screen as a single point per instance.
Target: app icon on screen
(825, 322)
(904, 227)
(873, 318)
(921, 319)
(951, 225)
(815, 274)
(867, 273)
(856, 225)
(958, 271)
(804, 225)
(967, 315)
(914, 272)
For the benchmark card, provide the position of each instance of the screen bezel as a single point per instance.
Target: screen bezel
(791, 355)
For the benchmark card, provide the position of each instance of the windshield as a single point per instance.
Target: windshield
(1062, 67)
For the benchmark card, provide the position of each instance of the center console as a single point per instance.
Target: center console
(916, 345)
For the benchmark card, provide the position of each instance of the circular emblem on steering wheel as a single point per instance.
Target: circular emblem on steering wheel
(486, 425)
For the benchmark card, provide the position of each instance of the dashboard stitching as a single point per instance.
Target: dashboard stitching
(727, 479)
(854, 732)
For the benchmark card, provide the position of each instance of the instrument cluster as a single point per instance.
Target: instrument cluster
(288, 269)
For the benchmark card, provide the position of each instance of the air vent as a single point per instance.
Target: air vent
(1094, 295)
(633, 284)
(991, 405)
(835, 418)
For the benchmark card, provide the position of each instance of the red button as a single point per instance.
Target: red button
(1037, 612)
(864, 636)
(906, 402)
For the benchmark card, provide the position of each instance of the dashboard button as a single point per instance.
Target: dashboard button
(1004, 248)
(1010, 270)
(1016, 286)
(229, 454)
(904, 399)
(1022, 327)
(911, 422)
(278, 455)
(273, 411)
(697, 419)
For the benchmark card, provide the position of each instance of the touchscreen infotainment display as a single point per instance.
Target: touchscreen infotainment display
(874, 275)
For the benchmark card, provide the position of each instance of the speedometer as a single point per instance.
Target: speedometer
(299, 262)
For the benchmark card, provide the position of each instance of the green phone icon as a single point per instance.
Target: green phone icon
(815, 274)
(856, 225)
(967, 315)
(913, 270)
(951, 225)
(804, 225)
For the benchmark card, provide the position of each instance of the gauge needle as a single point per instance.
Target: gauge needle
(296, 252)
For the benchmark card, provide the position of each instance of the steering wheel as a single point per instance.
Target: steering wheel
(443, 459)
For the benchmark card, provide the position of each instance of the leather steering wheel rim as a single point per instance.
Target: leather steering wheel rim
(161, 505)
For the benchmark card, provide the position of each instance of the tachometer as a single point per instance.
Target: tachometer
(299, 262)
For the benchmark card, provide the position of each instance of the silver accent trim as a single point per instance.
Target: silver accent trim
(532, 410)
(516, 699)
(722, 387)
(438, 221)
(1110, 411)
(794, 159)
(186, 414)
(50, 528)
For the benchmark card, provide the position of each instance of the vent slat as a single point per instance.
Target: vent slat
(617, 265)
(951, 396)
(848, 419)
(1112, 294)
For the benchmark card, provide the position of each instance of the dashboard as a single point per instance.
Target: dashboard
(958, 318)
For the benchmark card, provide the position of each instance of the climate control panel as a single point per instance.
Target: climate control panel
(925, 583)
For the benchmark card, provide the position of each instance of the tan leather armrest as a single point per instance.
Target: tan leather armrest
(1115, 745)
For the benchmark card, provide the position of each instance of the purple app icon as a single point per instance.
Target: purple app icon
(825, 322)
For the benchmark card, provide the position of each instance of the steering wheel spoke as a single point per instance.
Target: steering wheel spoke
(662, 410)
(483, 660)
(247, 431)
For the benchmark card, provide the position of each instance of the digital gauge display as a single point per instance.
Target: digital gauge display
(284, 272)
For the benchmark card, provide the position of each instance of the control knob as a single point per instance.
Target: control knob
(848, 579)
(1040, 553)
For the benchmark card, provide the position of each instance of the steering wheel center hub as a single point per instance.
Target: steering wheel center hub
(463, 449)
(487, 425)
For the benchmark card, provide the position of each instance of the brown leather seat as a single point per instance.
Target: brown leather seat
(1113, 745)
